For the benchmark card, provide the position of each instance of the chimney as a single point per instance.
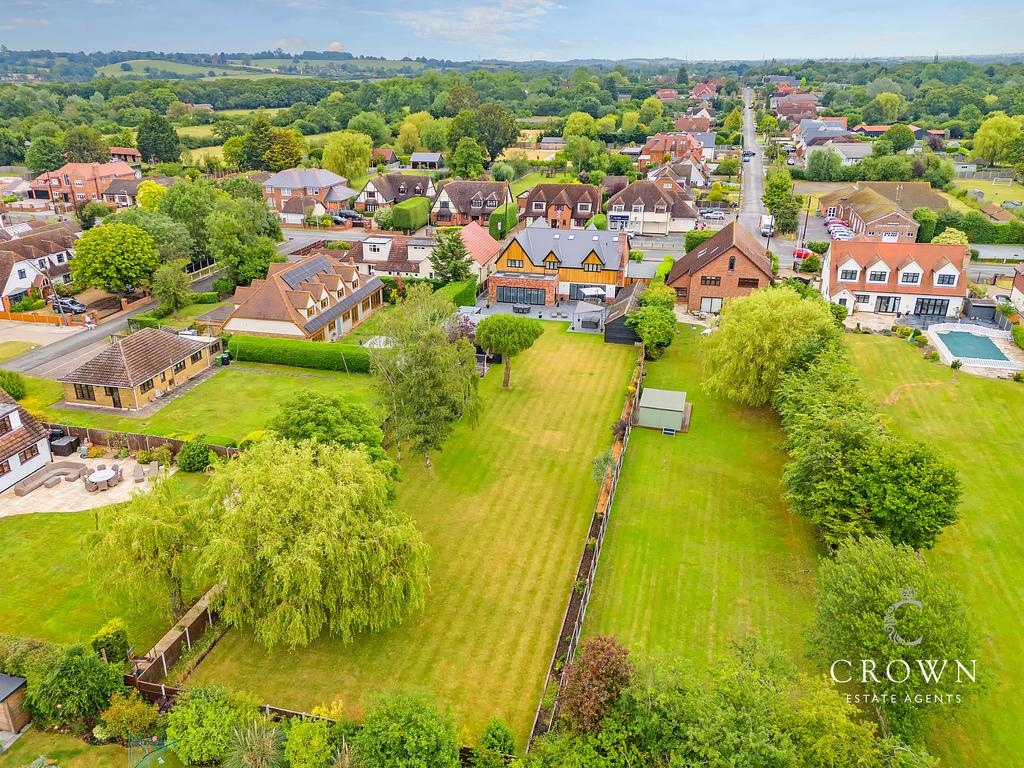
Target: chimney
(623, 257)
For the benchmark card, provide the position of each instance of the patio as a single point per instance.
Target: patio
(73, 496)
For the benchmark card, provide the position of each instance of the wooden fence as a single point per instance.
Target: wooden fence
(134, 441)
(28, 317)
(579, 596)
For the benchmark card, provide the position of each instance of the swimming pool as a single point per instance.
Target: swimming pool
(965, 344)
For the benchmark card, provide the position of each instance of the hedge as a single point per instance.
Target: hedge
(697, 236)
(27, 657)
(301, 354)
(205, 297)
(1018, 335)
(509, 215)
(409, 215)
(600, 221)
(462, 293)
(981, 229)
(663, 269)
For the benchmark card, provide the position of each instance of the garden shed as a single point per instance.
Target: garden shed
(663, 409)
(13, 717)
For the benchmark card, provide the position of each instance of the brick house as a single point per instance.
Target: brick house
(78, 183)
(730, 264)
(561, 206)
(35, 260)
(646, 207)
(324, 187)
(391, 188)
(870, 215)
(923, 279)
(693, 124)
(134, 370)
(703, 91)
(541, 265)
(460, 202)
(663, 148)
(382, 156)
(666, 94)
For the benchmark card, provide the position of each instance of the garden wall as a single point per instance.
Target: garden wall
(135, 441)
(579, 596)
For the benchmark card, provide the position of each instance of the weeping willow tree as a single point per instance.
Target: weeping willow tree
(305, 541)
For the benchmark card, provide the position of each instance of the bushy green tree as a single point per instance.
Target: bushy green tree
(497, 128)
(900, 136)
(203, 722)
(327, 419)
(468, 159)
(449, 258)
(309, 744)
(348, 154)
(926, 219)
(172, 287)
(115, 256)
(45, 154)
(406, 730)
(75, 689)
(656, 327)
(129, 716)
(373, 125)
(158, 140)
(593, 682)
(90, 212)
(85, 144)
(508, 335)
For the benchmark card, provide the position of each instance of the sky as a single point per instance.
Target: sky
(522, 29)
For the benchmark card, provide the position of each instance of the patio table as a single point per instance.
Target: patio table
(101, 476)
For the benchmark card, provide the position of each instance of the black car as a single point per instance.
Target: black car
(748, 153)
(342, 216)
(68, 304)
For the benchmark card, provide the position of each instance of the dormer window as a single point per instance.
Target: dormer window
(538, 205)
(910, 278)
(477, 203)
(849, 274)
(5, 425)
(584, 207)
(878, 277)
(638, 208)
(618, 208)
(401, 189)
(660, 208)
(948, 279)
(492, 203)
(373, 248)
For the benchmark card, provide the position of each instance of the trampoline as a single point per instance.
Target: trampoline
(966, 344)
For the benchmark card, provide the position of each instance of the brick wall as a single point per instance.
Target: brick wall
(729, 287)
(549, 287)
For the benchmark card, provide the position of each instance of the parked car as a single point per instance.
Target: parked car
(749, 153)
(343, 216)
(68, 304)
(790, 161)
(746, 159)
(713, 214)
(842, 236)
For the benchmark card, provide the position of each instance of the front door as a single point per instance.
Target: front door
(887, 304)
(115, 396)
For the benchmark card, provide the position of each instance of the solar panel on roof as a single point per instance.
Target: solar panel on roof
(305, 271)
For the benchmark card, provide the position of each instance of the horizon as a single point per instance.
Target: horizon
(519, 31)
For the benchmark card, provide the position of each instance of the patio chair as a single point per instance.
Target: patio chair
(154, 467)
(140, 474)
(100, 467)
(84, 472)
(116, 469)
(90, 485)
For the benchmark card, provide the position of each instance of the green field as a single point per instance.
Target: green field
(530, 180)
(227, 406)
(701, 550)
(504, 509)
(977, 424)
(138, 67)
(246, 112)
(196, 131)
(994, 193)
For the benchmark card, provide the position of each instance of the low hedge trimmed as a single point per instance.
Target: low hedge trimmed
(205, 297)
(462, 293)
(1018, 335)
(502, 220)
(409, 215)
(301, 354)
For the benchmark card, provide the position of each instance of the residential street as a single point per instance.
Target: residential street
(753, 171)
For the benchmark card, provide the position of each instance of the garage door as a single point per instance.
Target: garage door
(890, 237)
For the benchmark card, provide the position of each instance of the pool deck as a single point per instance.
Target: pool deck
(988, 367)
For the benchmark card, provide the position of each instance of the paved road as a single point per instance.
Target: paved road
(753, 170)
(50, 359)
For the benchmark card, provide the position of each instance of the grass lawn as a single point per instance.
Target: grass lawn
(246, 112)
(976, 423)
(371, 327)
(227, 406)
(201, 153)
(504, 509)
(11, 349)
(530, 180)
(701, 550)
(187, 315)
(994, 193)
(64, 750)
(196, 131)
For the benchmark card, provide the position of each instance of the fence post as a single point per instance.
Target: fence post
(163, 659)
(188, 639)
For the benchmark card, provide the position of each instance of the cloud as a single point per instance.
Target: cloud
(335, 46)
(18, 21)
(289, 42)
(488, 25)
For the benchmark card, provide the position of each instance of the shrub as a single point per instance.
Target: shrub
(194, 456)
(163, 455)
(28, 304)
(811, 263)
(97, 452)
(75, 689)
(129, 716)
(637, 256)
(111, 641)
(697, 236)
(1018, 377)
(13, 384)
(338, 245)
(308, 744)
(27, 657)
(251, 438)
(204, 721)
(222, 285)
(933, 356)
(507, 215)
(409, 215)
(818, 246)
(599, 221)
(205, 297)
(302, 354)
(1018, 335)
(593, 682)
(403, 729)
(145, 320)
(257, 745)
(956, 364)
(663, 269)
(462, 293)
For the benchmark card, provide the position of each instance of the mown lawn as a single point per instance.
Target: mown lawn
(227, 406)
(994, 193)
(504, 509)
(530, 180)
(51, 589)
(701, 550)
(64, 750)
(11, 349)
(977, 424)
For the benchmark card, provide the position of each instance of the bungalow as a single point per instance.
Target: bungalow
(24, 449)
(870, 215)
(328, 189)
(703, 91)
(382, 156)
(926, 279)
(652, 208)
(562, 206)
(432, 161)
(391, 188)
(318, 298)
(129, 155)
(666, 94)
(460, 202)
(552, 143)
(541, 265)
(731, 263)
(123, 192)
(693, 124)
(35, 260)
(876, 131)
(850, 152)
(132, 371)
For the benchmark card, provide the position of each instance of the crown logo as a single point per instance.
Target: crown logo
(908, 593)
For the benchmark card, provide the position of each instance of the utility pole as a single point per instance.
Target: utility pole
(807, 215)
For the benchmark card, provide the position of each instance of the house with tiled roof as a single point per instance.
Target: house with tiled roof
(923, 279)
(665, 147)
(849, 152)
(123, 192)
(35, 259)
(129, 155)
(133, 371)
(24, 443)
(703, 91)
(650, 207)
(319, 298)
(391, 188)
(541, 265)
(686, 173)
(382, 156)
(693, 124)
(731, 263)
(79, 183)
(870, 214)
(327, 188)
(612, 185)
(426, 161)
(561, 206)
(666, 94)
(460, 202)
(813, 131)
